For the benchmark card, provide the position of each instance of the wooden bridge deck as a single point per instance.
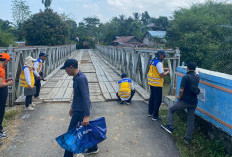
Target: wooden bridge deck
(102, 78)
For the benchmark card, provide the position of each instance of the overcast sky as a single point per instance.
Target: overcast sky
(104, 9)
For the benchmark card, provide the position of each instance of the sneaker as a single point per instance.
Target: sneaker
(187, 140)
(167, 128)
(3, 135)
(128, 102)
(121, 102)
(33, 105)
(3, 131)
(149, 115)
(91, 151)
(36, 97)
(29, 108)
(156, 118)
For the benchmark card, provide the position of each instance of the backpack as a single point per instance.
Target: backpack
(195, 90)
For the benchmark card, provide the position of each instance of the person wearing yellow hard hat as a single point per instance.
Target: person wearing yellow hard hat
(4, 83)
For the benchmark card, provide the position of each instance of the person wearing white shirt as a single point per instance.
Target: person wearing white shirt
(27, 81)
(125, 89)
(156, 80)
(38, 72)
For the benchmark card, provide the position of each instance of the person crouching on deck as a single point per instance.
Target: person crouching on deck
(27, 81)
(125, 89)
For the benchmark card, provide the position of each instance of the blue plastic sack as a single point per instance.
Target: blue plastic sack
(79, 139)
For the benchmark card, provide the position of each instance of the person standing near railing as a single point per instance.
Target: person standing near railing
(38, 72)
(4, 83)
(27, 81)
(156, 81)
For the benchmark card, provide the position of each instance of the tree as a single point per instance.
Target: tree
(6, 38)
(199, 33)
(91, 22)
(73, 29)
(47, 3)
(136, 16)
(145, 18)
(20, 12)
(46, 28)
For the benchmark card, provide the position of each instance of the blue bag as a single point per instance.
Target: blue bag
(79, 139)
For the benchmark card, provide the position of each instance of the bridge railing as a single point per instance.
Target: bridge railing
(56, 56)
(135, 62)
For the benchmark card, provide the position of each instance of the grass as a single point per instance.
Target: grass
(199, 146)
(10, 115)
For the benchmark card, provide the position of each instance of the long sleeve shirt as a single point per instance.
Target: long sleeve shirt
(81, 100)
(36, 65)
(27, 75)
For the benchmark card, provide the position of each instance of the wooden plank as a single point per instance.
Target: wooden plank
(70, 85)
(107, 96)
(68, 93)
(109, 77)
(105, 79)
(49, 85)
(53, 92)
(91, 77)
(109, 87)
(97, 98)
(100, 79)
(59, 84)
(103, 87)
(45, 90)
(113, 96)
(114, 85)
(65, 84)
(142, 92)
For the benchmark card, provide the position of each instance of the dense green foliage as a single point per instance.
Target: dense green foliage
(6, 33)
(46, 28)
(203, 34)
(199, 146)
(135, 25)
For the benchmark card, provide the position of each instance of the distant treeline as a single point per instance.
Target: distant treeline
(203, 32)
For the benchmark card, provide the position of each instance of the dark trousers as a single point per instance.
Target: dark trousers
(3, 98)
(28, 100)
(155, 101)
(77, 118)
(38, 86)
(129, 100)
(178, 106)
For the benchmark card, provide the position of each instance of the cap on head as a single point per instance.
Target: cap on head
(123, 75)
(5, 56)
(161, 52)
(42, 54)
(70, 62)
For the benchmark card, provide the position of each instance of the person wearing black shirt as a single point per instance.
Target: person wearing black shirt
(187, 100)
